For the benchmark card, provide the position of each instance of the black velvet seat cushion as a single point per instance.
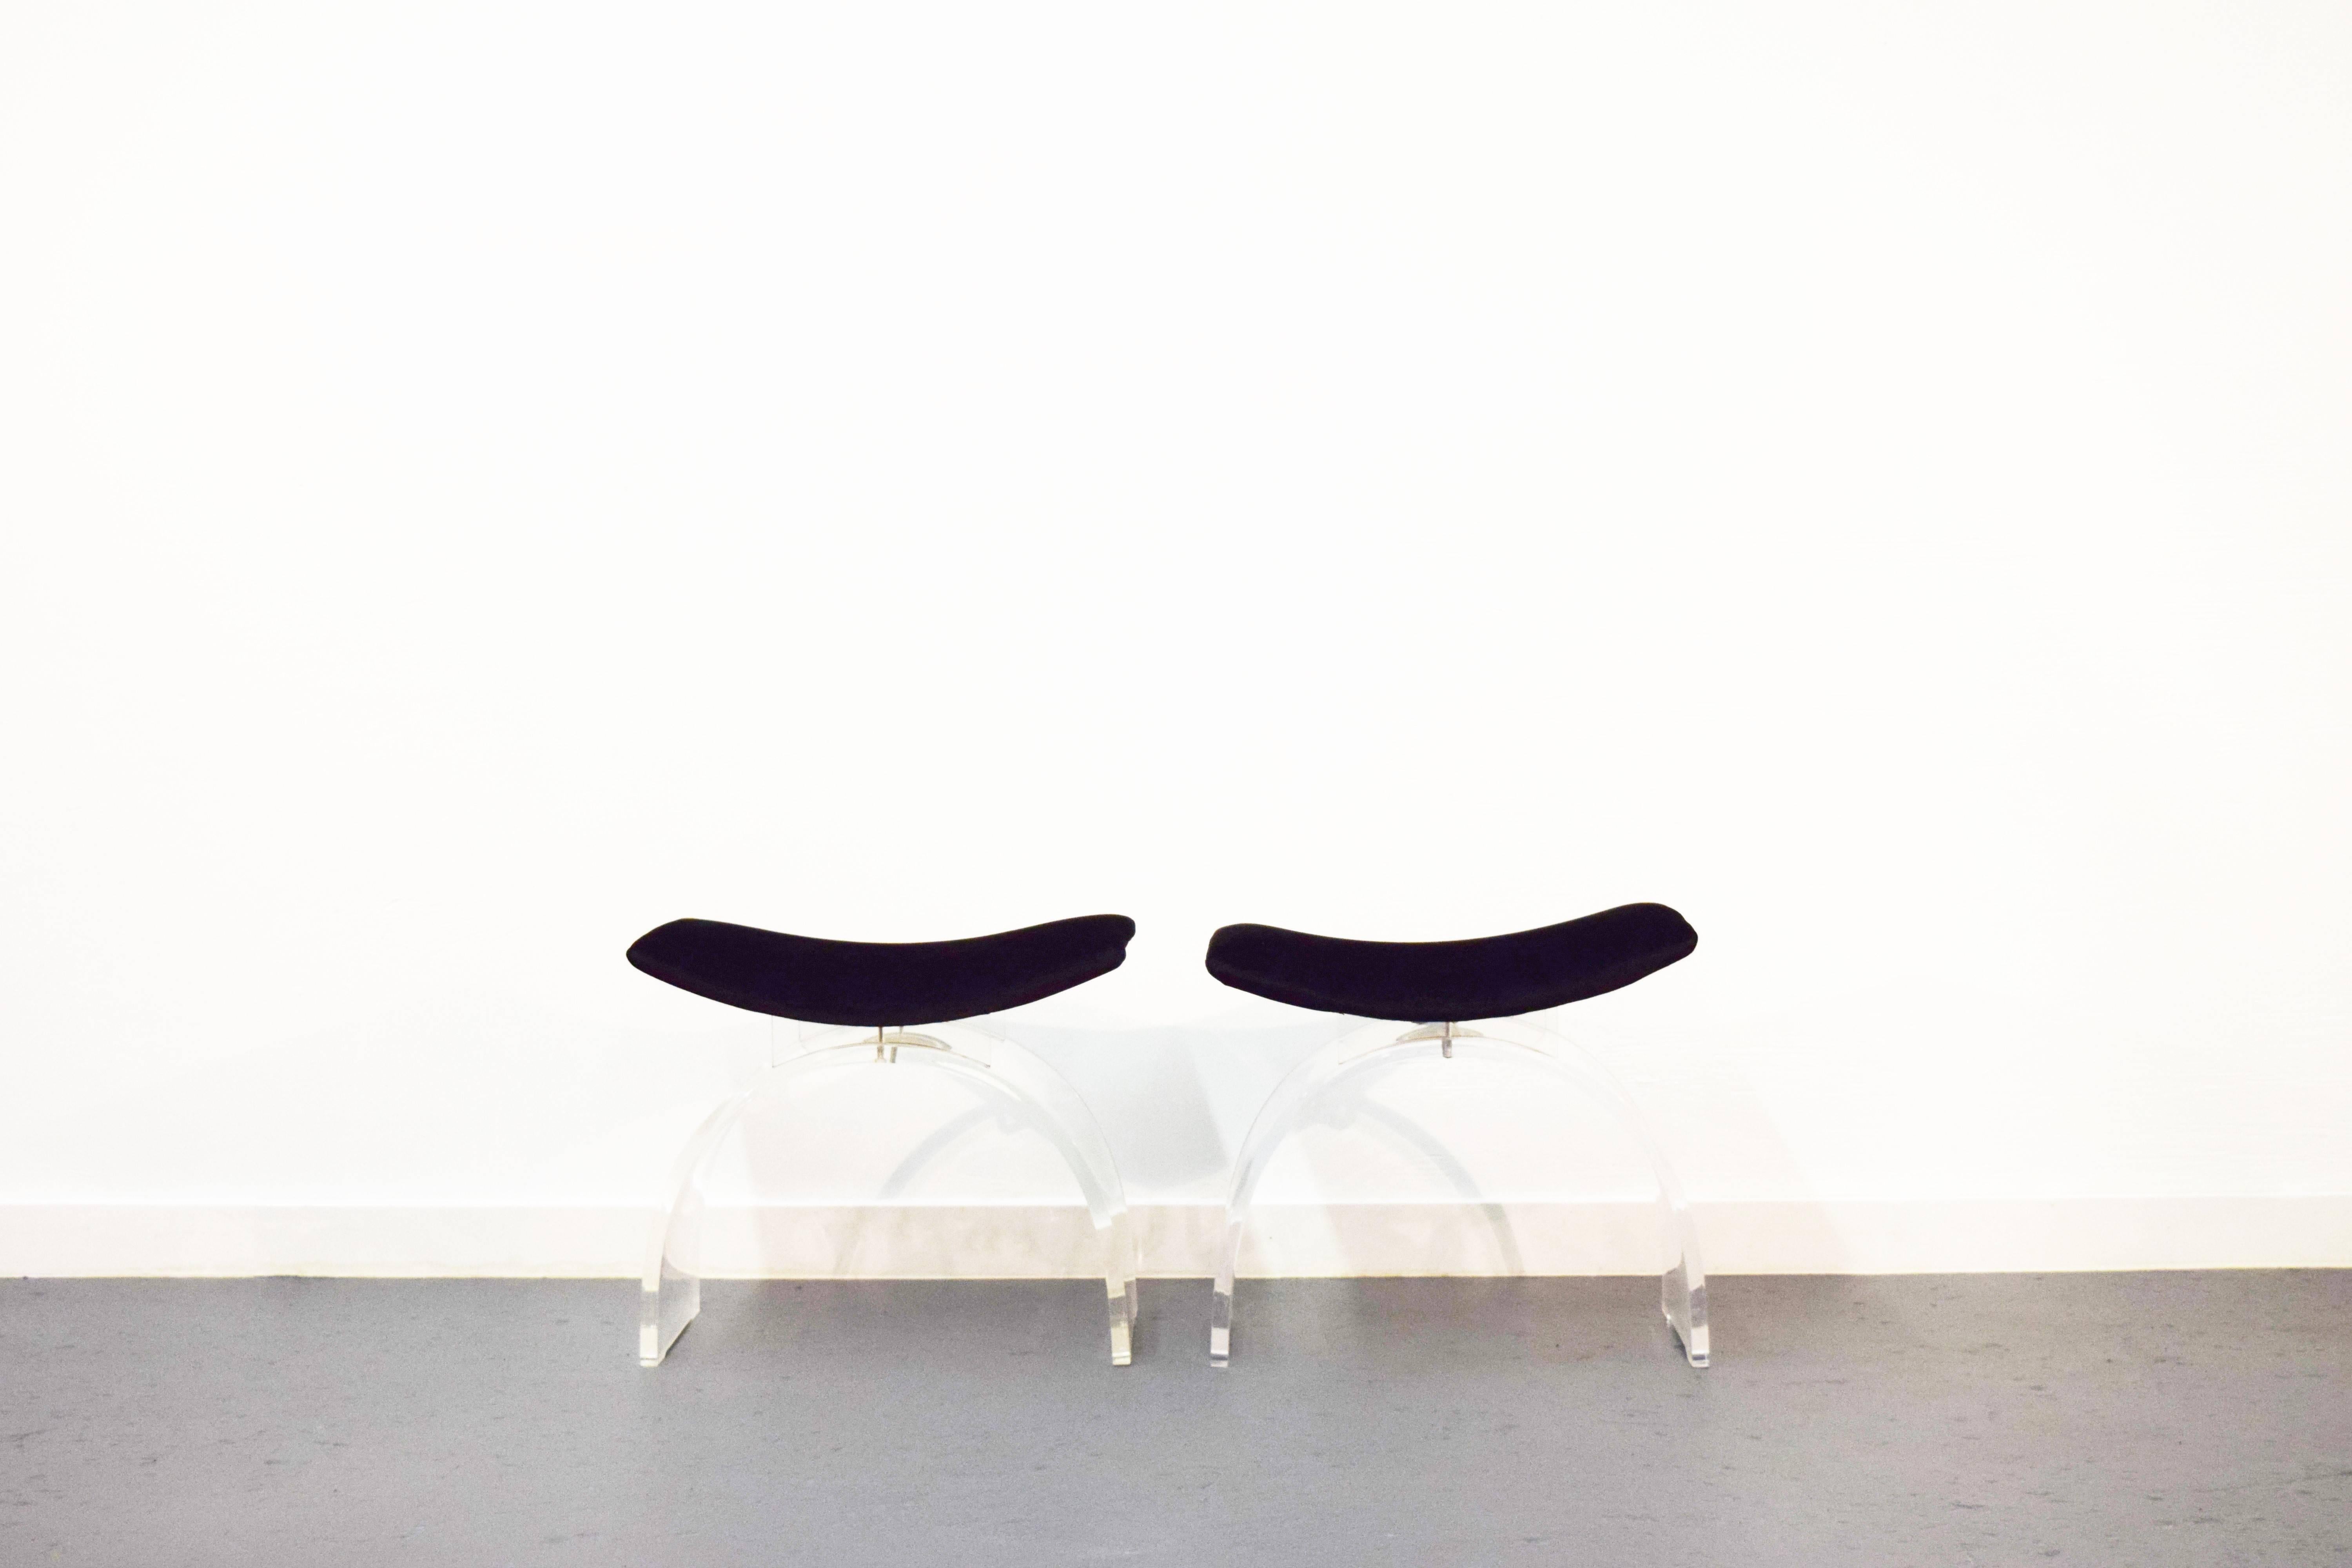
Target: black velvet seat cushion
(1447, 982)
(881, 981)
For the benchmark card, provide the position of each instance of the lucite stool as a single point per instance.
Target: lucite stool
(893, 1005)
(1493, 981)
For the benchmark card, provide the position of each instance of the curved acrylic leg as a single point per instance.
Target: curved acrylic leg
(1518, 1041)
(1034, 1094)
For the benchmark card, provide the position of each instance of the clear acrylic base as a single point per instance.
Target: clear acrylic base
(1034, 1094)
(1524, 1043)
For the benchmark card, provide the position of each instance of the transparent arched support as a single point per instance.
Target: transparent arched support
(1520, 1042)
(1030, 1093)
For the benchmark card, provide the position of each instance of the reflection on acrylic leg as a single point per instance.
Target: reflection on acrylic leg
(1344, 1066)
(1027, 1094)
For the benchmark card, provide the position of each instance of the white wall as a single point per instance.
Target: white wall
(478, 481)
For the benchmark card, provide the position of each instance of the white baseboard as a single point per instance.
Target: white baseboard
(1180, 1240)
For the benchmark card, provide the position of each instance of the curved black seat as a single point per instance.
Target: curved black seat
(879, 982)
(1447, 982)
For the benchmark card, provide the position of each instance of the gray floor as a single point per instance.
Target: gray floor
(2142, 1419)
